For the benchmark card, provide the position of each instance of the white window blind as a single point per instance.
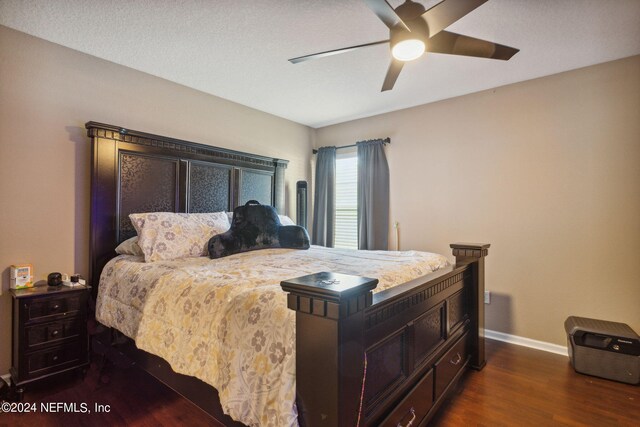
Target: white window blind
(346, 225)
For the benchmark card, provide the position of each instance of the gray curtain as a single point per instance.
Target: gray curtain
(324, 206)
(373, 196)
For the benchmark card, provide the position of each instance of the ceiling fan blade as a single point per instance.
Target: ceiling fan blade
(392, 74)
(457, 44)
(386, 13)
(334, 52)
(447, 12)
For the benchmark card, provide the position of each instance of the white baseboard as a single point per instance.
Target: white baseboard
(526, 342)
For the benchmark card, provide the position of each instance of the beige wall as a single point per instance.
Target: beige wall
(547, 171)
(47, 93)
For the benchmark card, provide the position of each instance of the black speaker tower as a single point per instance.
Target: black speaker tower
(301, 203)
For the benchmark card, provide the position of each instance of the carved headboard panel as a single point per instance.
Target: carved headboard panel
(139, 172)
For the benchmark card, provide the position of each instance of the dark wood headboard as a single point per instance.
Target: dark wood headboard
(134, 171)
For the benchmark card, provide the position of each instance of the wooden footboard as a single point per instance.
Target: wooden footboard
(413, 341)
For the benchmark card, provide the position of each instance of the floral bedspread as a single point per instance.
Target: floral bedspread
(226, 321)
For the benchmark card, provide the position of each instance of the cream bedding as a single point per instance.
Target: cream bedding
(226, 321)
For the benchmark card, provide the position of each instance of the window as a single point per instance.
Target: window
(346, 224)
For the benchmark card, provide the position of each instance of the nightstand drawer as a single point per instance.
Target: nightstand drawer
(46, 307)
(53, 332)
(55, 358)
(450, 364)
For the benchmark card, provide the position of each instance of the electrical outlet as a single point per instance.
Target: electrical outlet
(487, 297)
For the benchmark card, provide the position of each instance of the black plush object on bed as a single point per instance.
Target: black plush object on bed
(255, 226)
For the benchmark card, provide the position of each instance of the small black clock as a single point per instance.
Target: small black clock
(54, 279)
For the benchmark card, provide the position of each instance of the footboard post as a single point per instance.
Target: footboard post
(474, 253)
(329, 345)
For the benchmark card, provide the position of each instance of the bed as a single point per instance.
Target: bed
(381, 351)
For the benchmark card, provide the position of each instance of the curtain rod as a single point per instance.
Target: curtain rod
(384, 141)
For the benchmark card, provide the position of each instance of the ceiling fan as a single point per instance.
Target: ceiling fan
(414, 30)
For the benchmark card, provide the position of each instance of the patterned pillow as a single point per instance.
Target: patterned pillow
(129, 247)
(168, 235)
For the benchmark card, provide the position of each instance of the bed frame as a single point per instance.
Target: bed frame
(389, 358)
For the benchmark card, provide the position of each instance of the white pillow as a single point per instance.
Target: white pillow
(129, 247)
(169, 235)
(284, 220)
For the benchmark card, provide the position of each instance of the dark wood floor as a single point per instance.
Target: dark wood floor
(518, 387)
(134, 398)
(525, 387)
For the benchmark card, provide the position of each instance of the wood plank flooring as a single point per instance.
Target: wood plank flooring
(525, 387)
(134, 398)
(518, 387)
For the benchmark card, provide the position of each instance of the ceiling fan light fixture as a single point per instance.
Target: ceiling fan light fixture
(408, 49)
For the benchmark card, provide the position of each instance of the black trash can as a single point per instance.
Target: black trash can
(603, 349)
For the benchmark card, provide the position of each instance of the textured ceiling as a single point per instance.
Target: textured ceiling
(238, 49)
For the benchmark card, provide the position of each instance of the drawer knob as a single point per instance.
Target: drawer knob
(456, 360)
(55, 333)
(55, 307)
(413, 418)
(55, 358)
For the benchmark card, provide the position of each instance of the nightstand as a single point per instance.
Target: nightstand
(49, 332)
